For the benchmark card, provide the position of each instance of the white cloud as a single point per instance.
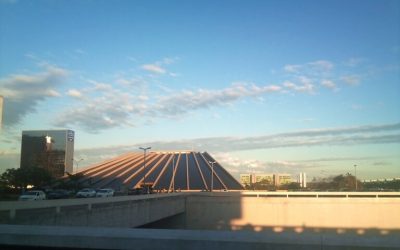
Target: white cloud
(306, 86)
(328, 84)
(351, 79)
(167, 60)
(377, 134)
(22, 93)
(185, 101)
(292, 68)
(312, 68)
(110, 109)
(158, 67)
(74, 93)
(52, 93)
(131, 82)
(321, 65)
(153, 68)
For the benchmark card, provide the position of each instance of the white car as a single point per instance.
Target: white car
(105, 192)
(86, 193)
(33, 195)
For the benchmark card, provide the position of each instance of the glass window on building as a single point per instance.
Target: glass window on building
(48, 149)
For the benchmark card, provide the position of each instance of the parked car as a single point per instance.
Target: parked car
(142, 190)
(86, 193)
(58, 194)
(32, 195)
(105, 192)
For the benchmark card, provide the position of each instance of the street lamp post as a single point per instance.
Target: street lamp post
(77, 163)
(355, 173)
(144, 166)
(212, 175)
(173, 172)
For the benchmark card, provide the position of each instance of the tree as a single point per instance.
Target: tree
(22, 177)
(341, 182)
(291, 186)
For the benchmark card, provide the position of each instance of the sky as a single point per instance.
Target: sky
(263, 86)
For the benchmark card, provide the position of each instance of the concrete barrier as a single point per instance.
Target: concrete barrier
(141, 239)
(269, 210)
(239, 220)
(123, 211)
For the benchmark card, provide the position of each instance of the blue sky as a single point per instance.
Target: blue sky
(264, 86)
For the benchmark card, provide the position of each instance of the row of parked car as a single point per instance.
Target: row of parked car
(33, 195)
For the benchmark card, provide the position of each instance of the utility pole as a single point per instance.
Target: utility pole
(173, 172)
(355, 173)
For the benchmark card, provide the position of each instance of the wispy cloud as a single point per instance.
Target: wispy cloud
(303, 77)
(132, 82)
(315, 67)
(229, 160)
(306, 86)
(186, 101)
(74, 93)
(22, 93)
(347, 136)
(328, 84)
(159, 66)
(153, 68)
(112, 107)
(351, 79)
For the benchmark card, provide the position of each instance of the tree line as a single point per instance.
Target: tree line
(15, 180)
(342, 182)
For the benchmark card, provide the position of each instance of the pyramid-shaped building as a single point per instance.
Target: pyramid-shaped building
(186, 170)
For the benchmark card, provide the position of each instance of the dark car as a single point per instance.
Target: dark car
(142, 190)
(58, 194)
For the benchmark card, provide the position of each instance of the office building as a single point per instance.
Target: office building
(245, 179)
(281, 179)
(266, 179)
(49, 149)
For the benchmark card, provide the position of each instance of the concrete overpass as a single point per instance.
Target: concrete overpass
(239, 220)
(120, 211)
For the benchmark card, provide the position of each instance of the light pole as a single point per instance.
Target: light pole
(355, 173)
(144, 166)
(173, 171)
(212, 175)
(77, 163)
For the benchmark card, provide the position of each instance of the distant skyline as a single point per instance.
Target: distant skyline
(263, 86)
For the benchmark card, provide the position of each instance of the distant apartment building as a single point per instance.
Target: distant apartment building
(281, 179)
(302, 180)
(245, 179)
(264, 178)
(268, 179)
(52, 150)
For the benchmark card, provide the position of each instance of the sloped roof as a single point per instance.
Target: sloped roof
(185, 170)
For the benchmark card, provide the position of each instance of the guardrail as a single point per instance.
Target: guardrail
(289, 194)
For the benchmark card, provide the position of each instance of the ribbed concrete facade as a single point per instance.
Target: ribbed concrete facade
(185, 170)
